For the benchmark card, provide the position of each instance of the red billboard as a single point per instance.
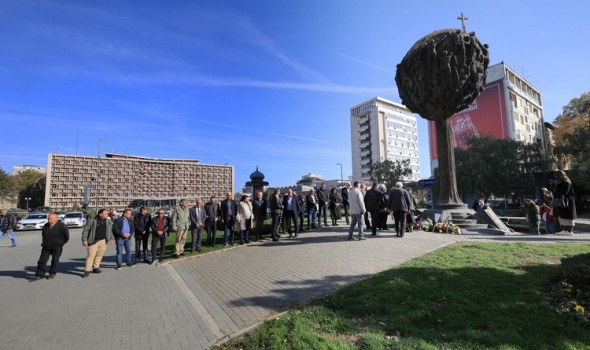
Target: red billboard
(484, 117)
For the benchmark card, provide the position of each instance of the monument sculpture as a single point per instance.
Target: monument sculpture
(442, 74)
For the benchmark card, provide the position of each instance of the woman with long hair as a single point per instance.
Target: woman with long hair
(566, 215)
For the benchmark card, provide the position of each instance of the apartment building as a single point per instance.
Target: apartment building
(381, 129)
(119, 181)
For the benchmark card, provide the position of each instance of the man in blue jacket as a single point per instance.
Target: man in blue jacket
(123, 229)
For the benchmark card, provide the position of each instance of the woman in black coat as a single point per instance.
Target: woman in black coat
(566, 215)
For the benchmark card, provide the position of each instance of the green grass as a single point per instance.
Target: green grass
(465, 296)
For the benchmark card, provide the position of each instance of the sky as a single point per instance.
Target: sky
(248, 83)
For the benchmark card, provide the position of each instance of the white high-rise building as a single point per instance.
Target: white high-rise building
(381, 129)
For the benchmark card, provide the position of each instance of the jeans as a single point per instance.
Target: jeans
(311, 215)
(162, 240)
(356, 219)
(124, 243)
(211, 227)
(550, 227)
(10, 235)
(323, 211)
(228, 233)
(141, 241)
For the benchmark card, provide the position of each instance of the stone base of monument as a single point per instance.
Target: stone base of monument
(489, 217)
(468, 220)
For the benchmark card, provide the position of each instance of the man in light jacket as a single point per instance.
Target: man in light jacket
(181, 223)
(357, 211)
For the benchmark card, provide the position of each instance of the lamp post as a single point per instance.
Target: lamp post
(28, 199)
(98, 176)
(341, 177)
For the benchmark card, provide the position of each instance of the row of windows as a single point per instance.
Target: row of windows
(524, 87)
(400, 119)
(402, 135)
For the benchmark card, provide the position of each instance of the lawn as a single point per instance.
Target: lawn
(465, 296)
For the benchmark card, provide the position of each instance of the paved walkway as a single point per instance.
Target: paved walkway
(195, 302)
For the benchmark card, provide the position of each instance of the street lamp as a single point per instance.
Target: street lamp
(341, 177)
(28, 199)
(98, 176)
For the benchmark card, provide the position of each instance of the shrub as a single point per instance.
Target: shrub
(576, 270)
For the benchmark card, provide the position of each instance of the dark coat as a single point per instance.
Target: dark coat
(276, 206)
(118, 226)
(323, 196)
(259, 208)
(154, 223)
(211, 211)
(56, 236)
(373, 200)
(225, 205)
(344, 194)
(399, 200)
(565, 189)
(142, 224)
(196, 219)
(294, 202)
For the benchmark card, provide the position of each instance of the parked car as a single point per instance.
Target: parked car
(34, 221)
(74, 219)
(61, 214)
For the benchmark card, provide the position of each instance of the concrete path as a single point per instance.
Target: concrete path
(195, 302)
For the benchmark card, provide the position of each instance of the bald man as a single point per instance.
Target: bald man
(55, 235)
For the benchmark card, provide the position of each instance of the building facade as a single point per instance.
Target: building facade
(120, 181)
(508, 108)
(381, 129)
(20, 168)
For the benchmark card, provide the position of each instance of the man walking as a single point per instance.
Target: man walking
(229, 209)
(323, 200)
(399, 204)
(345, 202)
(291, 210)
(211, 216)
(259, 208)
(357, 211)
(181, 222)
(55, 235)
(7, 224)
(197, 215)
(95, 235)
(123, 230)
(373, 203)
(141, 222)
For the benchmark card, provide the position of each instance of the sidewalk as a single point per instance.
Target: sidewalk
(195, 302)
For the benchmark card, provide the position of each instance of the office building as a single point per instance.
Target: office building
(381, 129)
(508, 108)
(119, 181)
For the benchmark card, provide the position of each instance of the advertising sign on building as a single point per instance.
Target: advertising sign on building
(484, 117)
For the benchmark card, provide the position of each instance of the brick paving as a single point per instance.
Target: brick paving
(195, 302)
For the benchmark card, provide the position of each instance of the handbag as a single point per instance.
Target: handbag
(560, 202)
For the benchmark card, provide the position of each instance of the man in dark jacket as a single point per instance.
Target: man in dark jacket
(276, 210)
(259, 209)
(374, 203)
(399, 205)
(123, 230)
(211, 217)
(55, 235)
(229, 210)
(141, 222)
(323, 200)
(345, 203)
(160, 228)
(290, 212)
(7, 224)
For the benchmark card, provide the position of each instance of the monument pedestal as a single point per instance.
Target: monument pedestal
(446, 212)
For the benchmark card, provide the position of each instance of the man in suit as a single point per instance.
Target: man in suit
(345, 203)
(211, 217)
(259, 208)
(399, 204)
(373, 203)
(311, 203)
(229, 209)
(323, 195)
(290, 212)
(276, 210)
(197, 216)
(123, 230)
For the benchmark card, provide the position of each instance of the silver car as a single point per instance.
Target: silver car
(33, 221)
(74, 219)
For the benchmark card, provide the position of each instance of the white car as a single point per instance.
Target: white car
(33, 221)
(74, 219)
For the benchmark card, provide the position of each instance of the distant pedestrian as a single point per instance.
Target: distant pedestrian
(259, 211)
(198, 217)
(7, 226)
(181, 223)
(334, 205)
(302, 208)
(323, 200)
(374, 203)
(55, 235)
(290, 213)
(311, 204)
(345, 202)
(160, 231)
(399, 205)
(357, 211)
(383, 211)
(95, 235)
(533, 217)
(141, 223)
(567, 214)
(123, 230)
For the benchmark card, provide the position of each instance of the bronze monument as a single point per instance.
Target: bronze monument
(442, 74)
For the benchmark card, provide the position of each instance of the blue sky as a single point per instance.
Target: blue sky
(267, 83)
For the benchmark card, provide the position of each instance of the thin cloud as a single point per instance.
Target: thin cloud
(367, 63)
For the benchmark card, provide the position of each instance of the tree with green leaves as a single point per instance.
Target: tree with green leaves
(499, 167)
(7, 188)
(389, 171)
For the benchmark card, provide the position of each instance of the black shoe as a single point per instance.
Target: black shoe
(50, 276)
(175, 256)
(131, 265)
(181, 254)
(373, 234)
(86, 274)
(118, 267)
(351, 238)
(275, 239)
(247, 241)
(96, 270)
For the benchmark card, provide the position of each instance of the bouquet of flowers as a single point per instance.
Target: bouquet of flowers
(440, 227)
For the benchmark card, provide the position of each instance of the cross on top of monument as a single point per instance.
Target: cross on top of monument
(463, 19)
